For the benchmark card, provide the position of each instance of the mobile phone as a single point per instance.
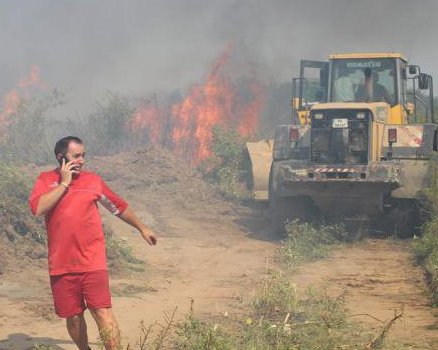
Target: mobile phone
(60, 159)
(66, 161)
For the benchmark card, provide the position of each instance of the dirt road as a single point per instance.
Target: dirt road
(380, 279)
(211, 260)
(211, 255)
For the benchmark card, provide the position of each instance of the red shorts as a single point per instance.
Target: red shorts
(74, 292)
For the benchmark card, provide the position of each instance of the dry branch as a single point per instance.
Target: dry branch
(379, 338)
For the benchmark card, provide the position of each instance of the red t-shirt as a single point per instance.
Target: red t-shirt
(74, 227)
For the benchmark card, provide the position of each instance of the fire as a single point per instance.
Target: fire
(221, 101)
(218, 102)
(206, 106)
(147, 117)
(13, 99)
(32, 80)
(11, 103)
(251, 111)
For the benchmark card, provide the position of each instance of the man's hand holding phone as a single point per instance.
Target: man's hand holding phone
(67, 170)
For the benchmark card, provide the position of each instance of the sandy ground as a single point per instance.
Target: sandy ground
(380, 279)
(210, 257)
(209, 264)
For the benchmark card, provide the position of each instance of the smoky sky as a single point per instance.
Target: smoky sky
(140, 47)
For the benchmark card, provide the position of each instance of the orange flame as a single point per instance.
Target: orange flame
(147, 117)
(13, 99)
(32, 80)
(219, 101)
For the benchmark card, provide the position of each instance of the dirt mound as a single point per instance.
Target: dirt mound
(161, 181)
(154, 169)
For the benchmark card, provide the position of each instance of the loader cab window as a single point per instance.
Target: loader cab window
(359, 80)
(310, 88)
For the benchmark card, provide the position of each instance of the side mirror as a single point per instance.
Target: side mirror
(413, 70)
(423, 81)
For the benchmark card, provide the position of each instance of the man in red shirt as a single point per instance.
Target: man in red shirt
(67, 197)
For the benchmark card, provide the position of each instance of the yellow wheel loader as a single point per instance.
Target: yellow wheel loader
(360, 143)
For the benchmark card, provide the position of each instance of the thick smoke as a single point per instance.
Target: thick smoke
(139, 47)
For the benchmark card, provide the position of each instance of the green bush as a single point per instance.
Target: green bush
(426, 247)
(316, 322)
(15, 218)
(277, 294)
(426, 252)
(194, 334)
(106, 129)
(228, 168)
(306, 241)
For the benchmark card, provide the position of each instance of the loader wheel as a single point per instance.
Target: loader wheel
(280, 213)
(406, 218)
(403, 220)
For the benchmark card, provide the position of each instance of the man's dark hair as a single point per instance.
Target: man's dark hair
(61, 146)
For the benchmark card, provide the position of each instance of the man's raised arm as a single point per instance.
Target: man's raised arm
(48, 200)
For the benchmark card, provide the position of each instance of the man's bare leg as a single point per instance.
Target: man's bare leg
(77, 328)
(108, 328)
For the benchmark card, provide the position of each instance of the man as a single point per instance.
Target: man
(371, 90)
(67, 196)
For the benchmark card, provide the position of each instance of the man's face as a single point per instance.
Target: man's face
(76, 154)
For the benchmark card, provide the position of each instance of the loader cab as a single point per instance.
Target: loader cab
(364, 80)
(380, 77)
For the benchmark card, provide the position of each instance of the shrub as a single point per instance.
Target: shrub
(227, 169)
(106, 129)
(426, 248)
(306, 241)
(314, 322)
(277, 295)
(426, 252)
(194, 334)
(15, 218)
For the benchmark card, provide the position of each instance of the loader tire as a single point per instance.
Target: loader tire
(403, 220)
(406, 218)
(280, 213)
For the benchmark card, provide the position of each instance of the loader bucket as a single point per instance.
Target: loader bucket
(260, 155)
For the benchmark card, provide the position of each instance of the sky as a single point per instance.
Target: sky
(88, 47)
